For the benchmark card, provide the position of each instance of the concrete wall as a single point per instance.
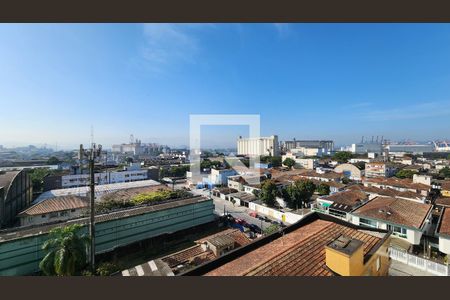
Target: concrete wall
(444, 245)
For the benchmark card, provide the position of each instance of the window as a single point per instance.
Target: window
(397, 230)
(368, 222)
(43, 216)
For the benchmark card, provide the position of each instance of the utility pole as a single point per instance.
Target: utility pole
(91, 155)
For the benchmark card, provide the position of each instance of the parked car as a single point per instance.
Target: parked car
(275, 222)
(260, 218)
(253, 214)
(244, 223)
(255, 228)
(267, 219)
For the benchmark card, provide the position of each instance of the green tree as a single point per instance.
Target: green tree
(289, 162)
(53, 161)
(342, 156)
(298, 193)
(268, 193)
(405, 174)
(271, 229)
(448, 157)
(37, 178)
(66, 251)
(444, 172)
(323, 189)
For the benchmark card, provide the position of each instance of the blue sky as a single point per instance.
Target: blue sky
(327, 81)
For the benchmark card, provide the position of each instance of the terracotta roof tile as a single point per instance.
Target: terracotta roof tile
(56, 204)
(444, 226)
(298, 253)
(395, 210)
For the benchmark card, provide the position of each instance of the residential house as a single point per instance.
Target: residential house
(406, 219)
(317, 245)
(54, 210)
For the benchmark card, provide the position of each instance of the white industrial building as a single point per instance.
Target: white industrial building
(70, 181)
(261, 146)
(99, 189)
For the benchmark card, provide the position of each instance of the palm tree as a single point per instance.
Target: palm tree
(66, 251)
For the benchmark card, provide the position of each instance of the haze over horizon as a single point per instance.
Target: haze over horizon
(308, 81)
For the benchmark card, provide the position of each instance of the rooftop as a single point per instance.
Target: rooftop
(19, 232)
(385, 192)
(443, 201)
(397, 182)
(297, 251)
(395, 210)
(99, 189)
(56, 204)
(350, 198)
(7, 177)
(444, 224)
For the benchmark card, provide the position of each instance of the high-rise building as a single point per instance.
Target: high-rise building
(261, 146)
(327, 146)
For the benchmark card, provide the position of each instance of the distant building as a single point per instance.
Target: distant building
(402, 185)
(220, 176)
(350, 171)
(16, 193)
(380, 169)
(306, 163)
(107, 177)
(134, 148)
(83, 191)
(262, 146)
(326, 146)
(366, 147)
(413, 149)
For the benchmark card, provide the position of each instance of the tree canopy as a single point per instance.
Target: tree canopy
(444, 172)
(405, 174)
(53, 161)
(342, 156)
(268, 193)
(289, 162)
(66, 250)
(323, 189)
(298, 194)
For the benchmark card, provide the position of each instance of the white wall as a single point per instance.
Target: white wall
(444, 245)
(289, 217)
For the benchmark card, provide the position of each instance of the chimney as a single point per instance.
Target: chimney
(345, 256)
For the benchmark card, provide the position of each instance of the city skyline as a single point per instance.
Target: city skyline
(308, 81)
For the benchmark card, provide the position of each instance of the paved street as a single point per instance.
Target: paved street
(239, 212)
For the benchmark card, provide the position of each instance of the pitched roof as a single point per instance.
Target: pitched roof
(397, 182)
(298, 253)
(443, 201)
(395, 210)
(350, 198)
(385, 192)
(445, 185)
(444, 225)
(56, 204)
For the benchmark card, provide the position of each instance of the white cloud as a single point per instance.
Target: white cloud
(409, 112)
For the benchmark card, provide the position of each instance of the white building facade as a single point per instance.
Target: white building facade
(262, 146)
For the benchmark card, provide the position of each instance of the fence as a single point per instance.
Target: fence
(418, 262)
